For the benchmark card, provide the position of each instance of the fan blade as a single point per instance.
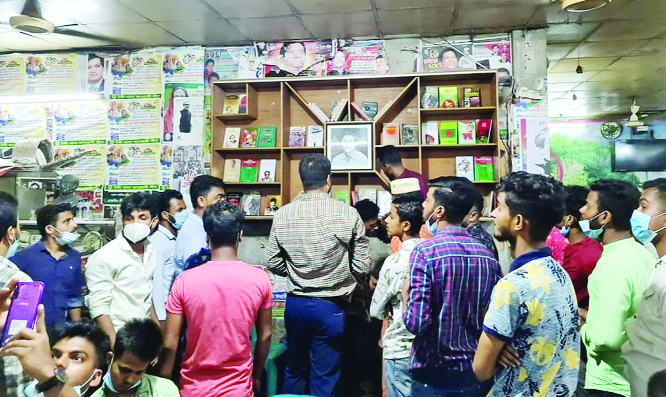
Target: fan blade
(77, 33)
(32, 8)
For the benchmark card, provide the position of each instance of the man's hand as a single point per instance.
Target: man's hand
(582, 316)
(33, 350)
(509, 357)
(373, 282)
(6, 294)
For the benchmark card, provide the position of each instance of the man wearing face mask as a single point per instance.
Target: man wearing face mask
(138, 344)
(645, 350)
(11, 373)
(54, 262)
(615, 286)
(120, 274)
(172, 216)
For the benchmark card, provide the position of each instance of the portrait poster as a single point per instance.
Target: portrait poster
(95, 73)
(166, 166)
(89, 169)
(183, 65)
(366, 57)
(223, 63)
(194, 92)
(187, 164)
(51, 73)
(133, 167)
(494, 54)
(134, 121)
(446, 57)
(135, 75)
(79, 123)
(22, 121)
(349, 146)
(12, 74)
(296, 58)
(188, 116)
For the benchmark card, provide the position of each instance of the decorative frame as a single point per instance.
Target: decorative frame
(349, 146)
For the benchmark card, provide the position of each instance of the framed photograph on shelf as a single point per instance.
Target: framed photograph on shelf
(349, 146)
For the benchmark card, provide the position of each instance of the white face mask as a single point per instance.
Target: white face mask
(31, 389)
(136, 232)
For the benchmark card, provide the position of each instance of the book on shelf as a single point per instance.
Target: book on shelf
(343, 195)
(318, 112)
(231, 104)
(409, 135)
(489, 204)
(242, 108)
(384, 109)
(471, 97)
(315, 136)
(249, 137)
(231, 137)
(273, 203)
(296, 136)
(429, 97)
(384, 201)
(267, 170)
(267, 136)
(367, 194)
(484, 171)
(234, 199)
(251, 203)
(390, 134)
(354, 197)
(430, 133)
(483, 128)
(338, 113)
(248, 170)
(448, 97)
(465, 167)
(448, 133)
(467, 132)
(232, 168)
(357, 109)
(370, 109)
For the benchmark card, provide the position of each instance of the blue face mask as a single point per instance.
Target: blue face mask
(589, 232)
(108, 383)
(640, 226)
(13, 249)
(565, 230)
(432, 227)
(180, 218)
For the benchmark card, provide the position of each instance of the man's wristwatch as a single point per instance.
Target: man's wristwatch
(59, 379)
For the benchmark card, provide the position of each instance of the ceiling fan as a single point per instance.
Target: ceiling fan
(31, 22)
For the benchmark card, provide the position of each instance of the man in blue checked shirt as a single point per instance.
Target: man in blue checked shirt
(446, 295)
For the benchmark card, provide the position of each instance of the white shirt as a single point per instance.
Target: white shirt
(164, 243)
(120, 285)
(191, 239)
(645, 349)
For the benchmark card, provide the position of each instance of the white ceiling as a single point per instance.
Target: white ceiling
(622, 47)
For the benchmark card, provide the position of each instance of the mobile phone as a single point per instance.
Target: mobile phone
(23, 310)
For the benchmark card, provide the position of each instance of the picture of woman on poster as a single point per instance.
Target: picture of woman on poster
(340, 64)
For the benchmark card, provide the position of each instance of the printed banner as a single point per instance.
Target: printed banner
(95, 73)
(193, 92)
(188, 121)
(166, 166)
(365, 57)
(135, 76)
(51, 74)
(187, 164)
(300, 58)
(22, 121)
(494, 55)
(12, 74)
(183, 65)
(134, 121)
(89, 168)
(223, 63)
(79, 123)
(133, 167)
(447, 58)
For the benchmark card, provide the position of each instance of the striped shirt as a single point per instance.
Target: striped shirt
(319, 244)
(452, 276)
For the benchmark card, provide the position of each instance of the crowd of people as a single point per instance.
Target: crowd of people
(167, 308)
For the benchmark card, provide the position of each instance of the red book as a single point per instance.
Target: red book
(483, 128)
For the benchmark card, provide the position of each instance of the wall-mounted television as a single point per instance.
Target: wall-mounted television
(640, 155)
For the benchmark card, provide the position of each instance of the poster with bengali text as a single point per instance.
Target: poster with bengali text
(183, 65)
(223, 63)
(133, 167)
(300, 58)
(51, 73)
(363, 57)
(22, 121)
(134, 121)
(12, 74)
(133, 76)
(79, 123)
(166, 166)
(89, 168)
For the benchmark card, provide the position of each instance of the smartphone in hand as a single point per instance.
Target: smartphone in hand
(23, 310)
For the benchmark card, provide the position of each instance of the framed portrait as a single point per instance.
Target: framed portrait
(349, 146)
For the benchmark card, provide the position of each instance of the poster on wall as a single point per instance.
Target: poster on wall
(187, 164)
(530, 141)
(365, 57)
(297, 58)
(95, 73)
(494, 55)
(135, 75)
(89, 168)
(22, 121)
(183, 65)
(134, 121)
(222, 63)
(133, 167)
(447, 57)
(51, 73)
(166, 166)
(188, 121)
(193, 94)
(12, 74)
(79, 123)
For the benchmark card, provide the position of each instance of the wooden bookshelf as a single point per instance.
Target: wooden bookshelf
(284, 103)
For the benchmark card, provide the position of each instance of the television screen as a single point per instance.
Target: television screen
(640, 155)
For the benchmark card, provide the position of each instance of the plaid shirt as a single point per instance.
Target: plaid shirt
(452, 276)
(12, 381)
(319, 244)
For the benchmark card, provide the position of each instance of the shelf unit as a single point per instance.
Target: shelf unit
(283, 103)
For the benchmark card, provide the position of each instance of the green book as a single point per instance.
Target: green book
(483, 169)
(448, 133)
(448, 97)
(267, 136)
(343, 195)
(248, 170)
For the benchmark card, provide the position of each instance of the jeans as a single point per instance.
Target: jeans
(398, 379)
(436, 382)
(315, 342)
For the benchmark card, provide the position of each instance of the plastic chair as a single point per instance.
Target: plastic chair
(275, 351)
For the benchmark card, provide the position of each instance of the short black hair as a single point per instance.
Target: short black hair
(538, 198)
(140, 337)
(139, 201)
(8, 213)
(201, 185)
(209, 60)
(95, 56)
(283, 49)
(314, 169)
(457, 198)
(379, 57)
(618, 197)
(447, 49)
(367, 210)
(389, 155)
(660, 185)
(88, 330)
(409, 209)
(48, 215)
(222, 223)
(213, 74)
(657, 384)
(164, 199)
(576, 198)
(446, 181)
